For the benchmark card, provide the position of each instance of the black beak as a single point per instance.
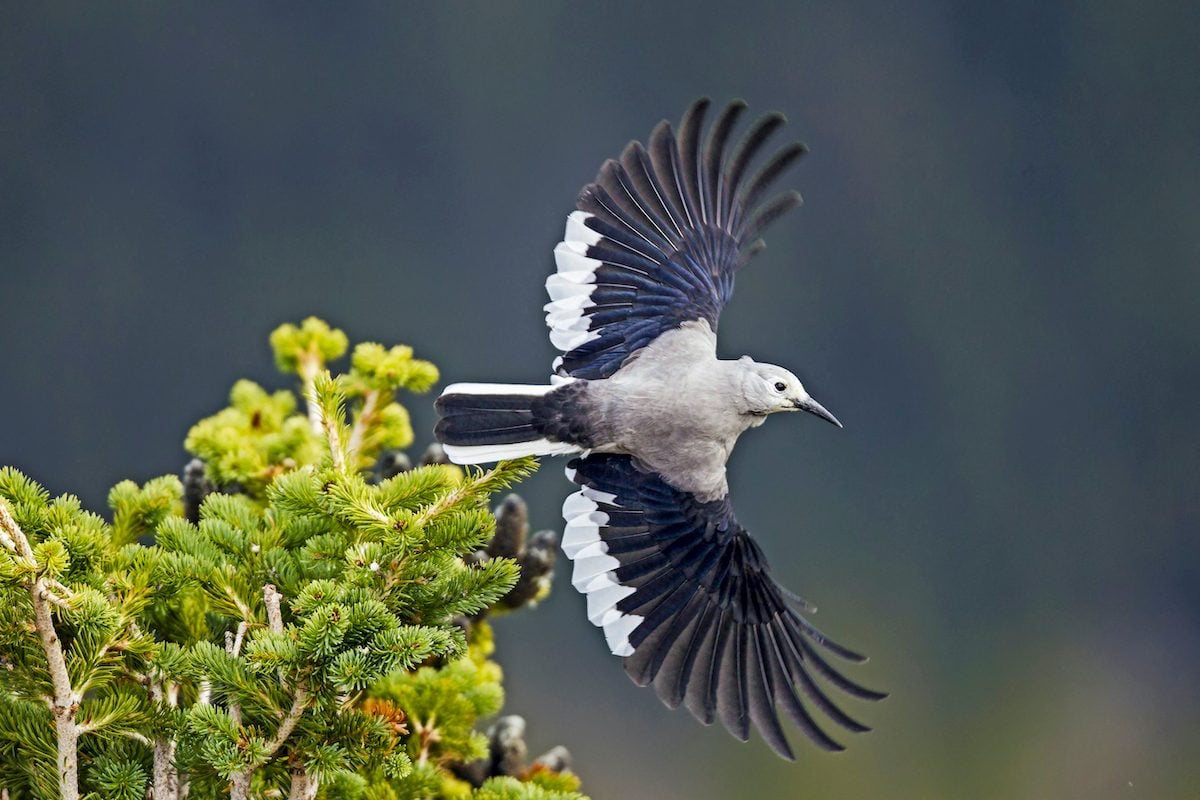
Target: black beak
(813, 407)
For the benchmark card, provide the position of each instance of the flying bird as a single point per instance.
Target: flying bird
(680, 589)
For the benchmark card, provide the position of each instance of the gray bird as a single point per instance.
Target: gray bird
(680, 589)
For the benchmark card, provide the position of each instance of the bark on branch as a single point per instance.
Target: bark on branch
(65, 702)
(240, 784)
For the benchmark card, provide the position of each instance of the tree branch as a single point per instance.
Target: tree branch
(240, 789)
(166, 776)
(365, 415)
(240, 784)
(233, 646)
(272, 598)
(309, 367)
(65, 702)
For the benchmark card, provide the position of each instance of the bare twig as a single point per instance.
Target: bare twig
(427, 734)
(240, 637)
(65, 702)
(166, 775)
(304, 786)
(272, 598)
(233, 646)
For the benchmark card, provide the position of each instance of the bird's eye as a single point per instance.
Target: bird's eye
(780, 386)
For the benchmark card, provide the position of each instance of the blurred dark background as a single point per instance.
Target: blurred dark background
(994, 283)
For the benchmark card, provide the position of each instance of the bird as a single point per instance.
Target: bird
(650, 415)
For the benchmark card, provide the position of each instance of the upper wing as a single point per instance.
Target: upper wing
(658, 237)
(684, 594)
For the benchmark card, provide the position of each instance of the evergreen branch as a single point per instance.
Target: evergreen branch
(366, 416)
(65, 591)
(240, 788)
(329, 400)
(303, 786)
(241, 781)
(483, 483)
(373, 570)
(55, 599)
(299, 704)
(309, 366)
(140, 738)
(65, 702)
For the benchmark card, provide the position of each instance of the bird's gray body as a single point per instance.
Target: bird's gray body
(676, 407)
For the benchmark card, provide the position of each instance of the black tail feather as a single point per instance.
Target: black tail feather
(476, 419)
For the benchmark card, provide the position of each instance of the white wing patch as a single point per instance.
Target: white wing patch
(594, 573)
(571, 288)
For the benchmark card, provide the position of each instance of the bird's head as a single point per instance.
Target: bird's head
(767, 388)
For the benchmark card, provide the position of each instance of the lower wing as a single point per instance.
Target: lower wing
(684, 595)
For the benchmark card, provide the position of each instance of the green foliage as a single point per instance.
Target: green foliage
(443, 705)
(74, 562)
(313, 342)
(253, 440)
(507, 788)
(309, 624)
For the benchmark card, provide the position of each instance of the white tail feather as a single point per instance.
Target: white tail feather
(487, 453)
(497, 388)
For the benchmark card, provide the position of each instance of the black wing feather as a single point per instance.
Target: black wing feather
(699, 616)
(714, 155)
(745, 152)
(663, 231)
(689, 156)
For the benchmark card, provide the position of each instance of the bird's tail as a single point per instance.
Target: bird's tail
(485, 422)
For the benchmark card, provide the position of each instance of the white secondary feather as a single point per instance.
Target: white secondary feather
(602, 599)
(617, 633)
(586, 569)
(571, 321)
(576, 504)
(569, 340)
(577, 231)
(599, 497)
(561, 284)
(567, 316)
(579, 537)
(597, 548)
(569, 258)
(594, 571)
(570, 291)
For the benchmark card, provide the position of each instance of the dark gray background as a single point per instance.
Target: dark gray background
(994, 284)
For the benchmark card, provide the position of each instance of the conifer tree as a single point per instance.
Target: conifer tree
(302, 617)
